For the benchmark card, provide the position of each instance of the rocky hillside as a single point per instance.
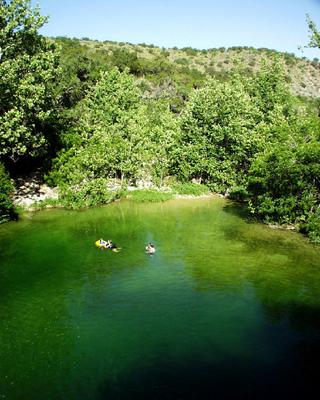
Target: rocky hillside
(144, 60)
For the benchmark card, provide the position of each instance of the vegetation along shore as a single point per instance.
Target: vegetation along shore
(80, 115)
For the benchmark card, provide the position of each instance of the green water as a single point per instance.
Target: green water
(224, 310)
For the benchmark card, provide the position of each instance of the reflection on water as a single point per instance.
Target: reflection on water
(224, 309)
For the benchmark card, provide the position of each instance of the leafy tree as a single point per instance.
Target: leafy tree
(28, 66)
(225, 124)
(270, 93)
(107, 139)
(284, 183)
(78, 72)
(217, 137)
(161, 142)
(117, 136)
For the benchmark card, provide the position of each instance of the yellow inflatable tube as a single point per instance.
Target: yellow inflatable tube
(100, 245)
(104, 244)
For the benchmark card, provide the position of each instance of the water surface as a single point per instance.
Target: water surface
(225, 309)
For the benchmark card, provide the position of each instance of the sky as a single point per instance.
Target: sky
(203, 24)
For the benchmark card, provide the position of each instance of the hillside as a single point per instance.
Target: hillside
(174, 70)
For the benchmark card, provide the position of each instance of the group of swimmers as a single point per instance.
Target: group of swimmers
(108, 244)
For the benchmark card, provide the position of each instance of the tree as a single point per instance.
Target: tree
(28, 67)
(270, 93)
(315, 35)
(161, 142)
(284, 183)
(217, 138)
(225, 124)
(107, 141)
(118, 135)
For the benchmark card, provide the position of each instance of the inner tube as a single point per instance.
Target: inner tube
(102, 246)
(99, 245)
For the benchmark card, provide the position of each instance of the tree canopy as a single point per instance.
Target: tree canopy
(28, 67)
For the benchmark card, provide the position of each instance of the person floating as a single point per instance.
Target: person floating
(107, 244)
(111, 245)
(102, 244)
(150, 248)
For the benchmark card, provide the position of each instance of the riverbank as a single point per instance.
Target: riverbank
(31, 191)
(33, 194)
(40, 197)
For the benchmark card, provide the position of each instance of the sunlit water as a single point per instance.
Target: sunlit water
(224, 309)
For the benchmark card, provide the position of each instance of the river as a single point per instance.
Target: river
(224, 309)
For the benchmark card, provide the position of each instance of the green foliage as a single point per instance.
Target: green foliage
(28, 68)
(160, 141)
(149, 196)
(314, 34)
(224, 126)
(239, 193)
(269, 92)
(190, 51)
(312, 226)
(125, 59)
(87, 194)
(189, 188)
(78, 72)
(217, 141)
(284, 181)
(42, 204)
(182, 61)
(6, 188)
(118, 136)
(237, 133)
(105, 118)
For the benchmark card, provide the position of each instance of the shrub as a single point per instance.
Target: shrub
(313, 227)
(89, 194)
(149, 196)
(6, 188)
(283, 181)
(182, 61)
(239, 193)
(190, 189)
(190, 51)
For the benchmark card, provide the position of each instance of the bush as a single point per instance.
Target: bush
(6, 188)
(149, 196)
(190, 51)
(239, 193)
(313, 227)
(182, 61)
(190, 189)
(283, 181)
(89, 194)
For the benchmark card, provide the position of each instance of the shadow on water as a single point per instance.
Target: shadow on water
(229, 379)
(305, 353)
(295, 374)
(238, 210)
